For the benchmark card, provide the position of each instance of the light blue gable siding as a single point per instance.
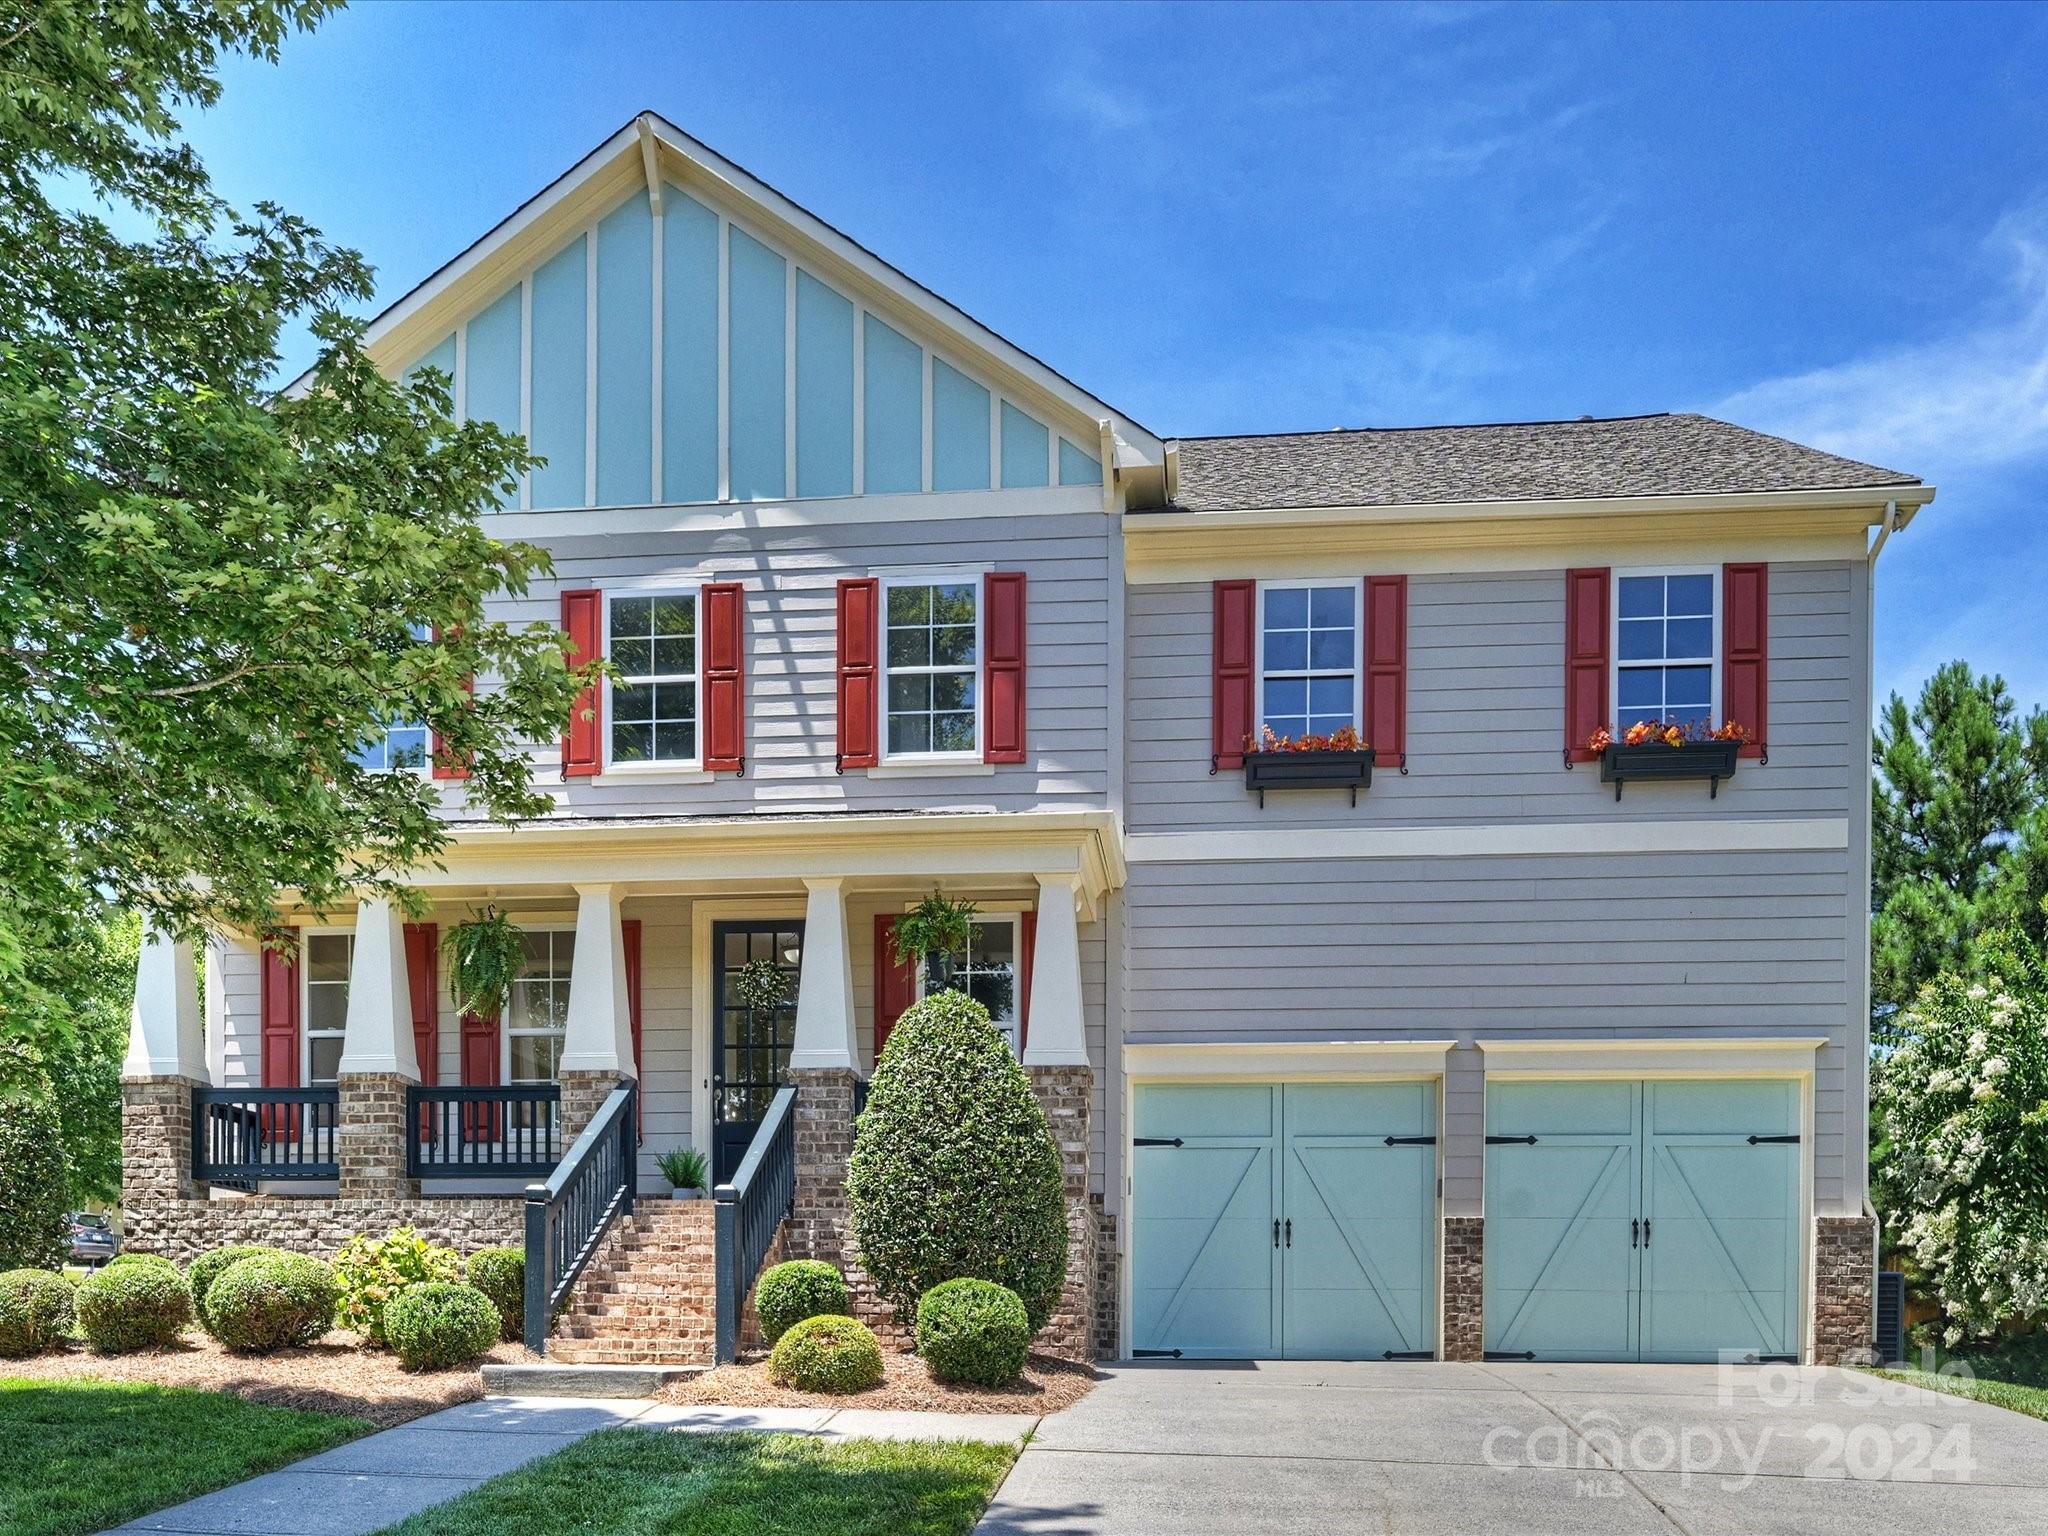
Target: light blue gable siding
(491, 364)
(560, 356)
(959, 431)
(893, 427)
(625, 355)
(1025, 449)
(1078, 468)
(689, 350)
(824, 390)
(758, 330)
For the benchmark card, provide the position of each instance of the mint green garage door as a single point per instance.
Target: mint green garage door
(1293, 1220)
(1642, 1221)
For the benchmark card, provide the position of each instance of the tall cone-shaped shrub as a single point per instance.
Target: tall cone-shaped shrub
(954, 1169)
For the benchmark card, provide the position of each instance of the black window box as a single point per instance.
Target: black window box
(1308, 770)
(1652, 761)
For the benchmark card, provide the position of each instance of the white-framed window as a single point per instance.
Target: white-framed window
(538, 1013)
(402, 745)
(1667, 633)
(1309, 656)
(931, 663)
(652, 714)
(989, 969)
(323, 1003)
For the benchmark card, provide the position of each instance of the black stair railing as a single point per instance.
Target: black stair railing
(749, 1209)
(243, 1135)
(568, 1216)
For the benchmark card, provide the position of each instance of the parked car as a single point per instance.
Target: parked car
(93, 1240)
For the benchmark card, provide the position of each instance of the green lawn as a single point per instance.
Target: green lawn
(2032, 1401)
(79, 1456)
(628, 1481)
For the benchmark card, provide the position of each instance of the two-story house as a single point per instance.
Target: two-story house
(1482, 1041)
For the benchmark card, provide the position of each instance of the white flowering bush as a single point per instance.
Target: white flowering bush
(1962, 1114)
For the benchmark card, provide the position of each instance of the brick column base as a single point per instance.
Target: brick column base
(156, 1141)
(1844, 1280)
(1067, 1096)
(372, 1136)
(1464, 1324)
(583, 1095)
(820, 1226)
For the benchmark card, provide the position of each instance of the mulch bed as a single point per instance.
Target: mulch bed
(333, 1376)
(1047, 1386)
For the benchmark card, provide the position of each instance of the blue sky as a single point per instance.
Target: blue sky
(1830, 222)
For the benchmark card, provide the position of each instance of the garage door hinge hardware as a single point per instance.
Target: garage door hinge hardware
(1155, 1354)
(1411, 1141)
(1156, 1141)
(1508, 1354)
(1755, 1140)
(1408, 1354)
(1518, 1141)
(1772, 1359)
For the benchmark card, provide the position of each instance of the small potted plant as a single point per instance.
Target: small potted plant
(1339, 760)
(934, 930)
(685, 1169)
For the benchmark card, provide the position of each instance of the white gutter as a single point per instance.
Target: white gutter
(1892, 523)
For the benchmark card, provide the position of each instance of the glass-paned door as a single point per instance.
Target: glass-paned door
(750, 1041)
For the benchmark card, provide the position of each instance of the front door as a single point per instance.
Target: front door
(750, 1043)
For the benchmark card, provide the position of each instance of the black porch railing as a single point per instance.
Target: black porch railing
(569, 1215)
(243, 1135)
(750, 1208)
(483, 1132)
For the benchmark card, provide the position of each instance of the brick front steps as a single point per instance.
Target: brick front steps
(649, 1296)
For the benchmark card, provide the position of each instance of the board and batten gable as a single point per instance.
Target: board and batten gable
(1489, 893)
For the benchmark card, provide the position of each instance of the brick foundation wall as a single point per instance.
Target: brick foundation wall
(1106, 1289)
(1843, 1282)
(1067, 1096)
(371, 1137)
(1464, 1320)
(181, 1230)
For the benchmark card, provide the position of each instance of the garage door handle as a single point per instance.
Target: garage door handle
(1774, 1140)
(1635, 1232)
(1518, 1141)
(1646, 1231)
(1155, 1141)
(1290, 1231)
(1276, 1231)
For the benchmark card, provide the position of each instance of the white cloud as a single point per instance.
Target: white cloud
(1978, 397)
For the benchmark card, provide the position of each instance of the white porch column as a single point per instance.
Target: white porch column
(598, 1036)
(164, 1036)
(377, 1036)
(824, 993)
(1057, 1032)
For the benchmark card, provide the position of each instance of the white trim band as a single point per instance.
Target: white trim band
(1604, 838)
(1281, 1060)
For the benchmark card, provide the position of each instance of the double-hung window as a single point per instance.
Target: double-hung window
(652, 646)
(931, 652)
(539, 1011)
(1665, 643)
(987, 970)
(402, 744)
(1308, 657)
(324, 975)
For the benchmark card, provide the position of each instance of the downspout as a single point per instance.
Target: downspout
(1885, 529)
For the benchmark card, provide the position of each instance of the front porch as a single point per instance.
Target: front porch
(252, 1117)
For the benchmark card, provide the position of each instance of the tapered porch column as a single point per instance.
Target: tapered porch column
(824, 1066)
(378, 1059)
(1056, 1060)
(166, 1060)
(597, 1039)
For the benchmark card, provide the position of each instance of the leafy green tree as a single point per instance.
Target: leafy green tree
(32, 1187)
(90, 980)
(211, 595)
(1959, 831)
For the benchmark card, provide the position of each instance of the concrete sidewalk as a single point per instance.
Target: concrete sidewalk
(384, 1478)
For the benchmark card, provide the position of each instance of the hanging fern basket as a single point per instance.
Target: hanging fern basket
(485, 956)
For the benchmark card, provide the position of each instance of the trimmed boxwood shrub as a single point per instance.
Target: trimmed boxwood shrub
(373, 1271)
(789, 1293)
(271, 1301)
(35, 1311)
(972, 1331)
(500, 1273)
(954, 1170)
(139, 1301)
(827, 1354)
(211, 1265)
(441, 1323)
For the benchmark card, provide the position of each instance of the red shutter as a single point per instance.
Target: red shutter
(859, 677)
(583, 622)
(895, 982)
(1745, 651)
(445, 767)
(279, 1056)
(1002, 630)
(723, 632)
(629, 934)
(1385, 726)
(1027, 942)
(1586, 598)
(421, 945)
(479, 1070)
(1232, 656)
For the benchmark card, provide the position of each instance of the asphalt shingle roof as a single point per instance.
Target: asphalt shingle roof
(1541, 460)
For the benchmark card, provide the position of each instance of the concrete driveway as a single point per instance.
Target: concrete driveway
(1522, 1450)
